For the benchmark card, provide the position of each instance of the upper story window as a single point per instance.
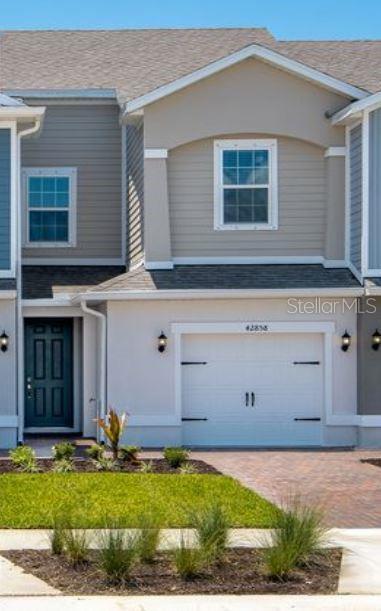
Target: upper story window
(50, 200)
(245, 184)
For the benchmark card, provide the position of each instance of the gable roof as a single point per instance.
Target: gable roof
(134, 62)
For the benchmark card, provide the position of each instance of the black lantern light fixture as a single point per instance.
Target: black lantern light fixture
(162, 342)
(345, 341)
(376, 340)
(4, 342)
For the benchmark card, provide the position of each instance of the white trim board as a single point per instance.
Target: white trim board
(71, 261)
(62, 93)
(325, 328)
(353, 111)
(335, 151)
(293, 260)
(256, 51)
(155, 153)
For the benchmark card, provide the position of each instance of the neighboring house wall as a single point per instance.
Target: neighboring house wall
(89, 139)
(135, 190)
(5, 198)
(249, 98)
(375, 189)
(301, 201)
(355, 186)
(369, 397)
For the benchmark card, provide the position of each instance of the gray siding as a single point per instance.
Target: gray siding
(375, 189)
(355, 162)
(302, 204)
(5, 198)
(88, 138)
(135, 190)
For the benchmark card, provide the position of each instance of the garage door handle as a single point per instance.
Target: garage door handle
(247, 399)
(307, 419)
(252, 399)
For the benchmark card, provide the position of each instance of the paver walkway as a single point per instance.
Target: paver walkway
(348, 490)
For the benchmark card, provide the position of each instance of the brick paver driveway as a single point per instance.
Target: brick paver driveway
(349, 491)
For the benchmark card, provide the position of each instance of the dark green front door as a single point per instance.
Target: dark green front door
(49, 372)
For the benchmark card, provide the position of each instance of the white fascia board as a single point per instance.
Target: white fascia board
(335, 151)
(15, 113)
(354, 110)
(169, 295)
(45, 94)
(273, 57)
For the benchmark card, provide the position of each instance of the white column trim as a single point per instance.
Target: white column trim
(155, 153)
(335, 151)
(365, 195)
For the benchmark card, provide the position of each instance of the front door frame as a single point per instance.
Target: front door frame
(76, 315)
(252, 327)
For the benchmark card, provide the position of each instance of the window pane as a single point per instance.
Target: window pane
(230, 159)
(230, 176)
(62, 200)
(260, 214)
(261, 176)
(230, 214)
(245, 197)
(245, 214)
(245, 206)
(261, 158)
(48, 199)
(48, 184)
(261, 197)
(35, 184)
(245, 159)
(62, 184)
(48, 226)
(245, 176)
(230, 196)
(35, 199)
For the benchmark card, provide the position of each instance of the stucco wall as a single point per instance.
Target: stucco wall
(133, 358)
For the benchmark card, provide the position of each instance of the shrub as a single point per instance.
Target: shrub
(146, 467)
(76, 546)
(24, 459)
(64, 465)
(176, 457)
(105, 464)
(96, 451)
(298, 534)
(148, 539)
(63, 451)
(212, 528)
(113, 426)
(188, 469)
(189, 561)
(117, 554)
(57, 536)
(129, 453)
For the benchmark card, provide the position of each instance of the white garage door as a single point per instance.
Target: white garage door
(262, 390)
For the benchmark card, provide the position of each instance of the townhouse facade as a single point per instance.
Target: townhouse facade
(189, 226)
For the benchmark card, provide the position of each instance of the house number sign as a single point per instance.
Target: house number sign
(252, 327)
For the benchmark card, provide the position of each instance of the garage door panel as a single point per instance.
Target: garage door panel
(264, 365)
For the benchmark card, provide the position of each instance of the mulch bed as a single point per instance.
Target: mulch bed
(242, 572)
(372, 461)
(82, 465)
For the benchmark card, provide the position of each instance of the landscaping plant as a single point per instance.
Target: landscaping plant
(63, 465)
(57, 536)
(105, 464)
(298, 534)
(189, 561)
(96, 451)
(146, 467)
(112, 426)
(63, 451)
(176, 457)
(212, 529)
(148, 538)
(118, 553)
(24, 459)
(76, 546)
(129, 453)
(188, 469)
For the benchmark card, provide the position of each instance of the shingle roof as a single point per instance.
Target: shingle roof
(45, 282)
(137, 61)
(188, 277)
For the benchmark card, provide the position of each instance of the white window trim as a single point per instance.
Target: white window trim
(219, 147)
(62, 171)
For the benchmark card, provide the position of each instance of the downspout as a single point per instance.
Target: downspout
(103, 364)
(19, 315)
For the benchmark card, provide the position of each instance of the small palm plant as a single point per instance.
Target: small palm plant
(112, 426)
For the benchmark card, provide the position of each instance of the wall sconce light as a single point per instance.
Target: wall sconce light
(162, 342)
(4, 342)
(345, 341)
(376, 340)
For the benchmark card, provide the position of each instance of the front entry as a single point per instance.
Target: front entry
(48, 372)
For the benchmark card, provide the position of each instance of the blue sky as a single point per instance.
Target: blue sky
(287, 19)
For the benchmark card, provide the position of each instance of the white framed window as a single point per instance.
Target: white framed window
(245, 184)
(50, 199)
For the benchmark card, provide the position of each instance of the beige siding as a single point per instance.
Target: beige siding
(135, 190)
(302, 204)
(88, 138)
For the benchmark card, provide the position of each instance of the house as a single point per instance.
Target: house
(190, 226)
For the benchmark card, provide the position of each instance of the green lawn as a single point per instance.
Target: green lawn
(31, 500)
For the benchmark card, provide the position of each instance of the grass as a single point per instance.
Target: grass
(27, 500)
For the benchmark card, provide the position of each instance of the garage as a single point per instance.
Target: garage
(252, 389)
